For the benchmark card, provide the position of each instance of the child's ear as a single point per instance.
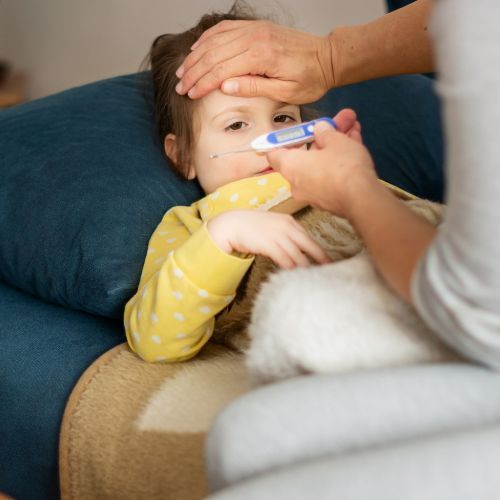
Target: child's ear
(170, 145)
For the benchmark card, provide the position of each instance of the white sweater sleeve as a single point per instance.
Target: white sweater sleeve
(456, 286)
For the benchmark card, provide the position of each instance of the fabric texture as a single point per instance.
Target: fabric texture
(44, 349)
(314, 320)
(397, 4)
(456, 287)
(445, 467)
(149, 442)
(307, 418)
(83, 184)
(187, 279)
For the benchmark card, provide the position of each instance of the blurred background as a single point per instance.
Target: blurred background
(50, 45)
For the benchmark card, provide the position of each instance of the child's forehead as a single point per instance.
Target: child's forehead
(217, 102)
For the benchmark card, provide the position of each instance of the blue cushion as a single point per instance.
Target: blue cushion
(44, 349)
(83, 184)
(83, 181)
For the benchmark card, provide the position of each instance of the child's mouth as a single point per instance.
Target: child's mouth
(268, 170)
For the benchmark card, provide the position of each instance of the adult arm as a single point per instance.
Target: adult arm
(251, 58)
(451, 275)
(393, 44)
(338, 176)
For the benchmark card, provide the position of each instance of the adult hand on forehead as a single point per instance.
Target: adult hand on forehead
(258, 58)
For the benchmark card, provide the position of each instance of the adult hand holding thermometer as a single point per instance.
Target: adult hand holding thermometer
(302, 133)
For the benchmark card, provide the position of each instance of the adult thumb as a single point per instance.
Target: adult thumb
(323, 133)
(252, 86)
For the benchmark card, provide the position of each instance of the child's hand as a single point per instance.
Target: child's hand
(277, 236)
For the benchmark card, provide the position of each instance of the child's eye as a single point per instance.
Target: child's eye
(236, 126)
(283, 118)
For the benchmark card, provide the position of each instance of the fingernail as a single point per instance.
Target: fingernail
(179, 72)
(230, 87)
(192, 93)
(322, 127)
(178, 88)
(195, 44)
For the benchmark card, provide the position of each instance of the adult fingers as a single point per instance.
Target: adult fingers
(356, 136)
(228, 69)
(295, 165)
(221, 27)
(282, 159)
(220, 44)
(324, 133)
(215, 64)
(209, 50)
(345, 119)
(251, 86)
(354, 132)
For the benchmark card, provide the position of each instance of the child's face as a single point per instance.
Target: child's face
(224, 123)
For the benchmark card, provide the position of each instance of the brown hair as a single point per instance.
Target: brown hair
(173, 112)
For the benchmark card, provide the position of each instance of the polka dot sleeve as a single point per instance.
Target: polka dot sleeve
(187, 279)
(171, 317)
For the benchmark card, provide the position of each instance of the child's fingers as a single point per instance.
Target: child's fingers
(310, 247)
(294, 252)
(279, 256)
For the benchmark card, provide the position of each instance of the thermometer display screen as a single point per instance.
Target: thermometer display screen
(288, 135)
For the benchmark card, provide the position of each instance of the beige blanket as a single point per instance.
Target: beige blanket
(136, 430)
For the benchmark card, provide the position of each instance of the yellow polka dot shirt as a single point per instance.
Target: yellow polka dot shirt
(187, 279)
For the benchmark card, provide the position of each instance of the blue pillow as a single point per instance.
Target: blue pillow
(83, 184)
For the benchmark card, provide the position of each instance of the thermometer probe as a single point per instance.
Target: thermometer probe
(298, 134)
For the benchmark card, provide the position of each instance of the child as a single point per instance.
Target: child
(198, 255)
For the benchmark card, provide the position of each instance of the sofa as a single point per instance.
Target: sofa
(83, 183)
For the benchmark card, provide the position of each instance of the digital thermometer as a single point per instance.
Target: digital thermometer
(298, 134)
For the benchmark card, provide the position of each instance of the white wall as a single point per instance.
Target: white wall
(62, 43)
